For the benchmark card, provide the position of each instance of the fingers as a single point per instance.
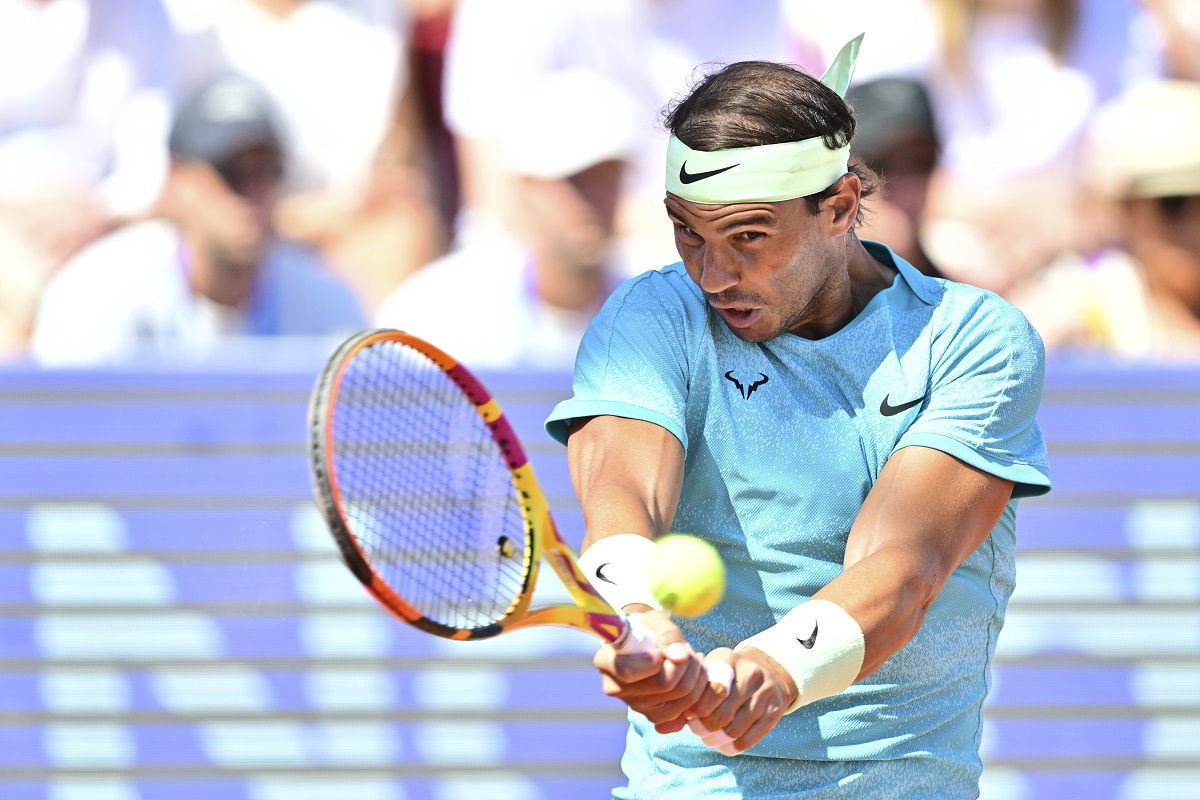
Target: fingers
(754, 720)
(686, 692)
(719, 672)
(655, 672)
(621, 668)
(747, 712)
(659, 628)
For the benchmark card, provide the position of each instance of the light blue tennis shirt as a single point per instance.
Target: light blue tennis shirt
(783, 440)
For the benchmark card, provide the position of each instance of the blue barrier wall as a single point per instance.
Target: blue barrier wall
(174, 622)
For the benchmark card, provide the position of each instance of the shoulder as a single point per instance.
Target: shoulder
(301, 272)
(975, 332)
(966, 308)
(666, 290)
(134, 254)
(473, 276)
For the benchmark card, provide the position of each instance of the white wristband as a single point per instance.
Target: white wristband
(616, 568)
(819, 644)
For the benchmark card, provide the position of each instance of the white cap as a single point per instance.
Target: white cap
(569, 120)
(1147, 143)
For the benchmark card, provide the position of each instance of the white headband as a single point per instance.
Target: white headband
(767, 173)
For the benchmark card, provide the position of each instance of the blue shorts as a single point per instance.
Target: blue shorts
(706, 775)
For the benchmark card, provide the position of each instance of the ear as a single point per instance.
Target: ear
(173, 198)
(842, 206)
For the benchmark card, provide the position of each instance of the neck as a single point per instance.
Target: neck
(568, 286)
(1172, 276)
(216, 278)
(847, 292)
(278, 8)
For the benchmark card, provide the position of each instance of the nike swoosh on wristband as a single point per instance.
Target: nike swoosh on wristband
(692, 177)
(600, 573)
(890, 410)
(808, 643)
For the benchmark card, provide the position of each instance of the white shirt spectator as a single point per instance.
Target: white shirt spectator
(1017, 110)
(129, 293)
(84, 100)
(650, 49)
(479, 304)
(334, 69)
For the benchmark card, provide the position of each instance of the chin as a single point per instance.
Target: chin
(753, 335)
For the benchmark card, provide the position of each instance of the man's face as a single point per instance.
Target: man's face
(764, 267)
(574, 217)
(228, 207)
(1165, 236)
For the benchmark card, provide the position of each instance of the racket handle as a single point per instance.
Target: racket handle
(639, 640)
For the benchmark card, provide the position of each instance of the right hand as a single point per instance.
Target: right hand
(662, 684)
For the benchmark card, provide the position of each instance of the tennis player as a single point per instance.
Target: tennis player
(851, 435)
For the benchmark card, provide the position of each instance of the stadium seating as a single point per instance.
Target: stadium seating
(174, 621)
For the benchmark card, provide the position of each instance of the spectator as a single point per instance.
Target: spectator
(524, 297)
(897, 138)
(340, 78)
(1014, 84)
(212, 268)
(1177, 24)
(648, 47)
(1140, 299)
(84, 110)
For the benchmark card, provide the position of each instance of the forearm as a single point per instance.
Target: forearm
(613, 509)
(925, 515)
(887, 593)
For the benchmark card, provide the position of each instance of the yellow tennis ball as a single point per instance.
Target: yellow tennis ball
(685, 574)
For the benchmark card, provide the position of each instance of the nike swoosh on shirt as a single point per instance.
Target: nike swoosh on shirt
(692, 177)
(890, 410)
(600, 573)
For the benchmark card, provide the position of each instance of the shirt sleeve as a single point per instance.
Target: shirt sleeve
(633, 361)
(986, 386)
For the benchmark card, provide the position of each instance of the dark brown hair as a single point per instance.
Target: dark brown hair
(753, 103)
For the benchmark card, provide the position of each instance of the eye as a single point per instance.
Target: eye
(751, 236)
(684, 232)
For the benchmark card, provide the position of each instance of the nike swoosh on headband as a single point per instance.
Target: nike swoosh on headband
(692, 177)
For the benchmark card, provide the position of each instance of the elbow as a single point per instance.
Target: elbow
(918, 582)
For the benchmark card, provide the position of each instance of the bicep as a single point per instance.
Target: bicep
(932, 507)
(628, 474)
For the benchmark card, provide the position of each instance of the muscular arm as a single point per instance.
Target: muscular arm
(628, 475)
(927, 512)
(925, 515)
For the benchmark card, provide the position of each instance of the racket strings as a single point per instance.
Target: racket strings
(425, 489)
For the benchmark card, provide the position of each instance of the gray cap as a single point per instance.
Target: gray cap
(221, 120)
(889, 111)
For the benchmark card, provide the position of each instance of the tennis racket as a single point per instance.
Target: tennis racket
(432, 501)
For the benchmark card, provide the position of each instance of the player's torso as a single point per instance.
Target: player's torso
(786, 438)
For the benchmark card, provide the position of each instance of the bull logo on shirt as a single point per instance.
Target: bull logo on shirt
(744, 390)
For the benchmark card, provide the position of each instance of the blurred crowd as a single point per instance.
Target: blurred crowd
(176, 173)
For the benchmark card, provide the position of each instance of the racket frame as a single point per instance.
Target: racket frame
(589, 612)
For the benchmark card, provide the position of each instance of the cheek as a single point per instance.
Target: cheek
(1190, 228)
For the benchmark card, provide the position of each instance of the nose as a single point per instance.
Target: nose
(716, 273)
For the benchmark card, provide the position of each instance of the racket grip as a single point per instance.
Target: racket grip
(639, 640)
(719, 740)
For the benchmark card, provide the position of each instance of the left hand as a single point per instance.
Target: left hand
(761, 692)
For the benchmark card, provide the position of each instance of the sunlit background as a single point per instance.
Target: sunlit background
(199, 199)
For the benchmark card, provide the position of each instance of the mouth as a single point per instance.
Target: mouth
(738, 316)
